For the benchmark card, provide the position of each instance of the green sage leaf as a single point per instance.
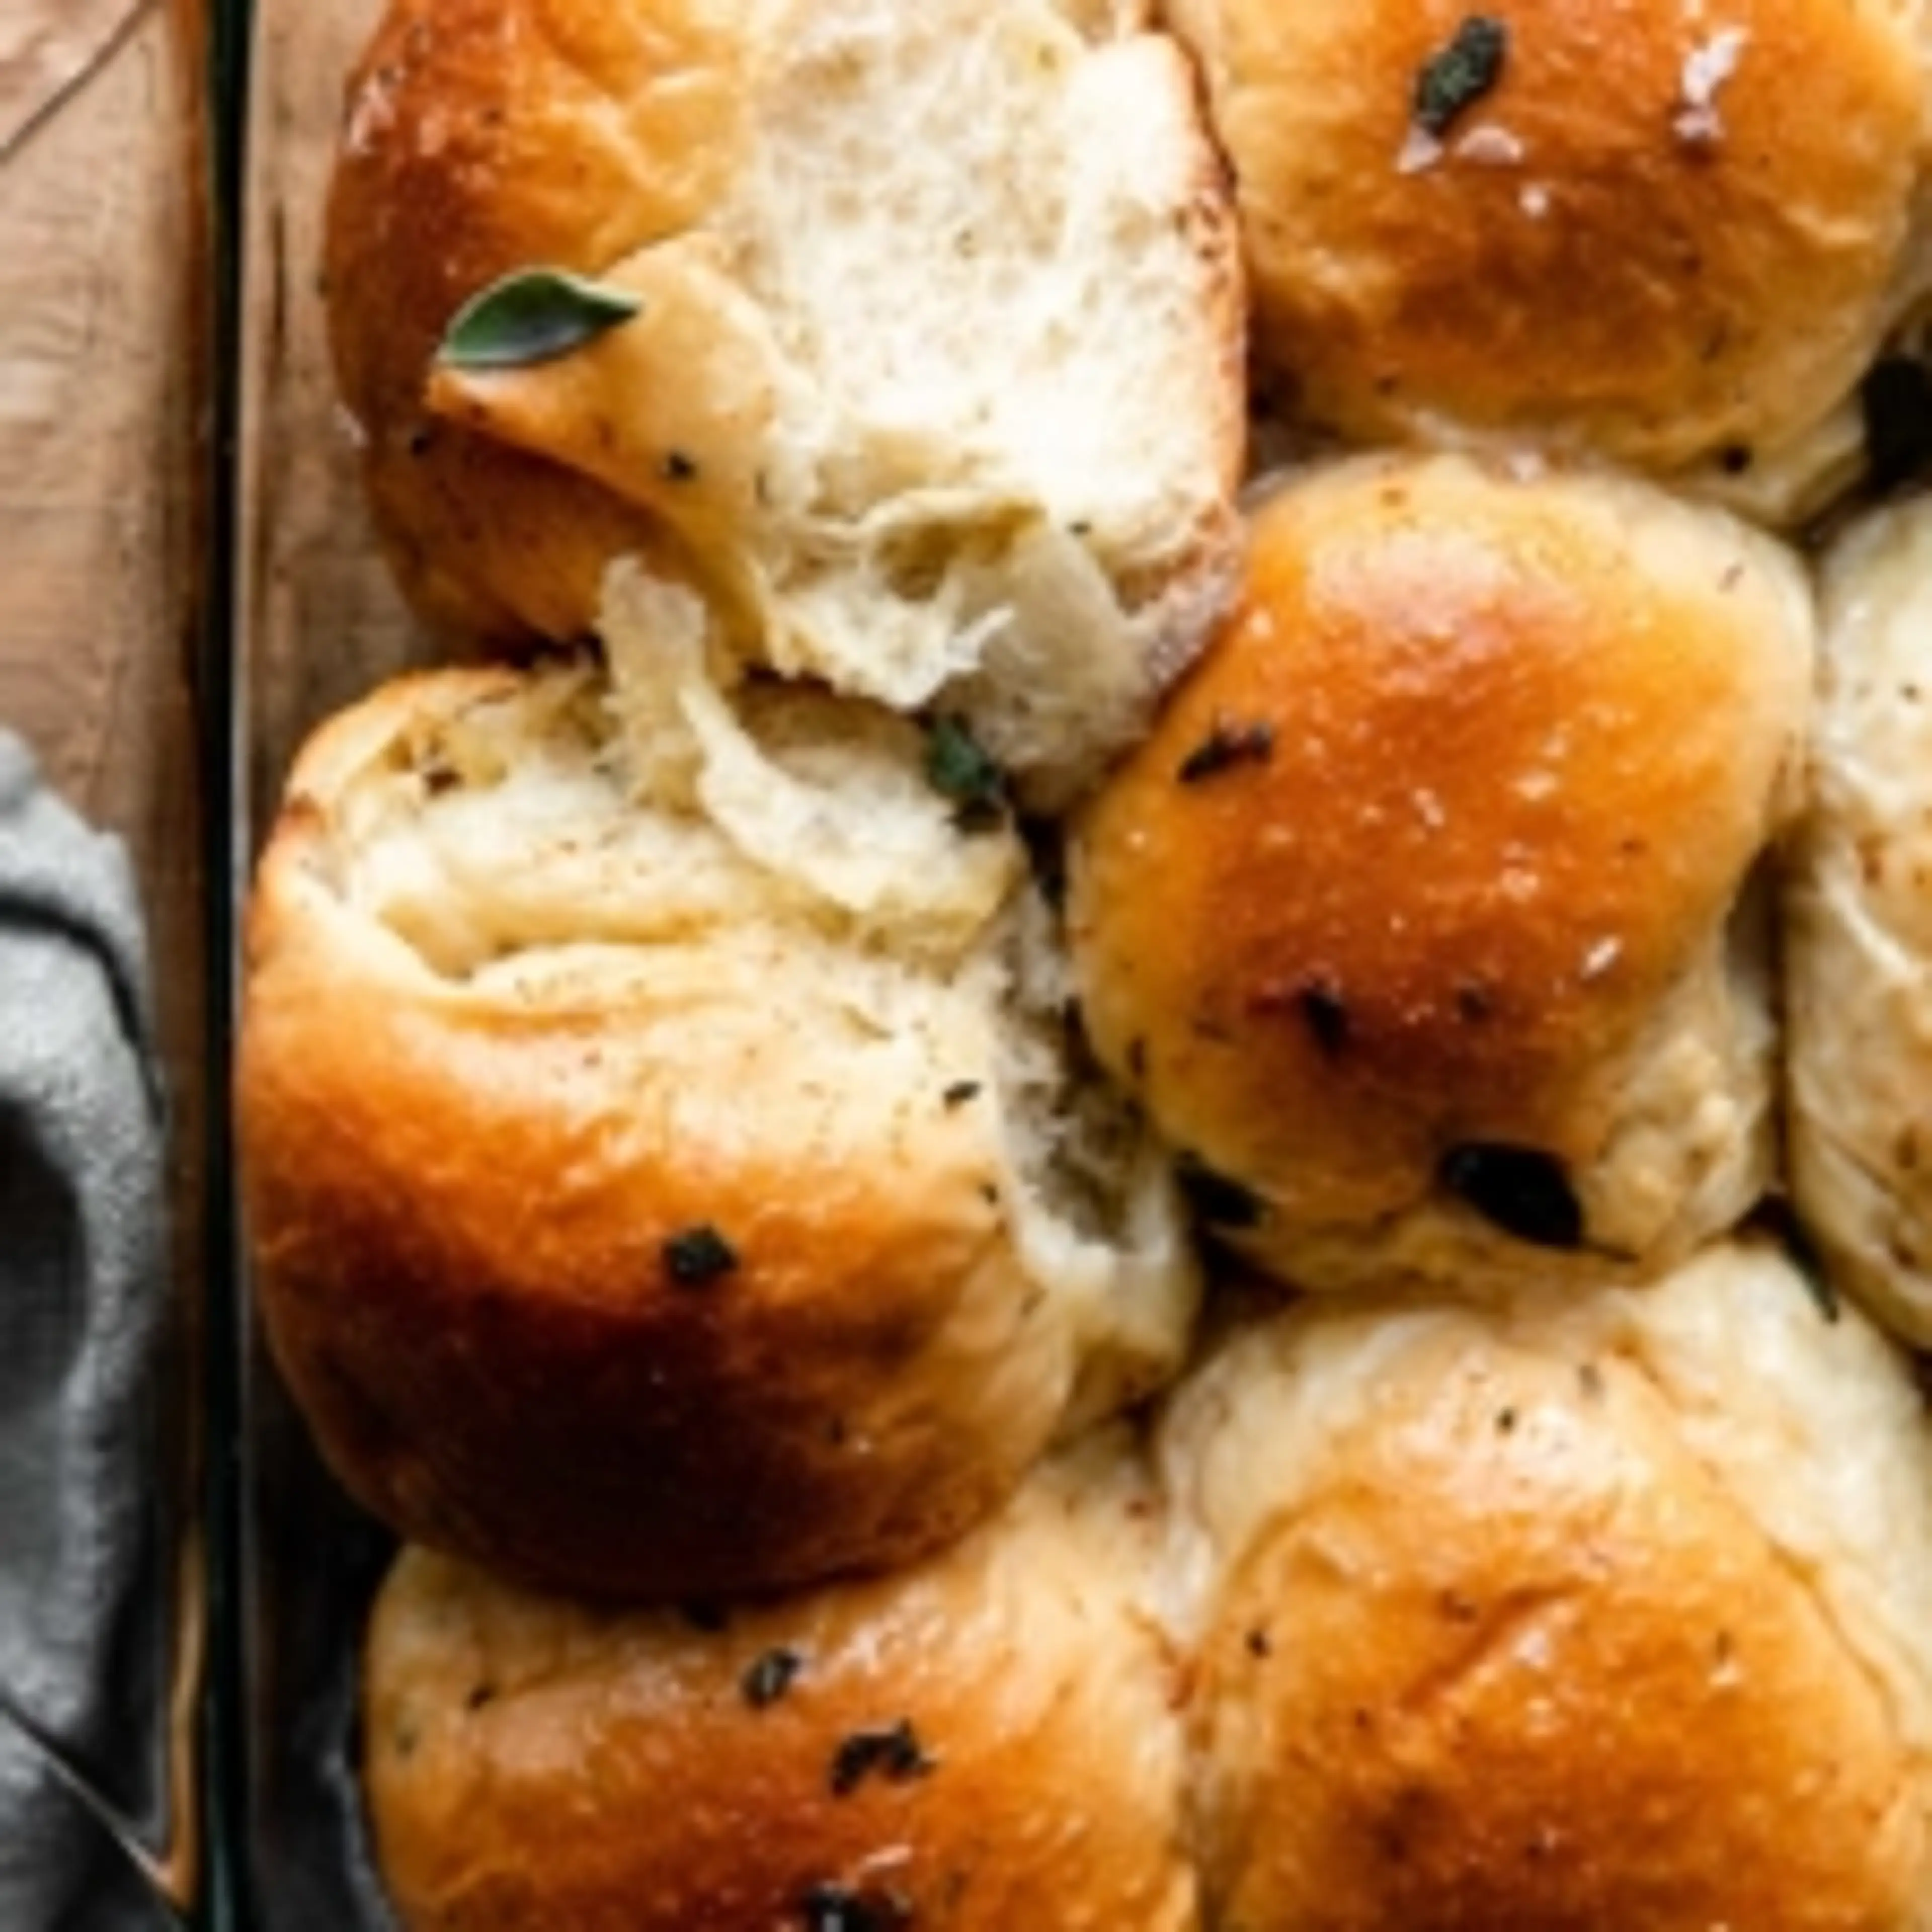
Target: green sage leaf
(534, 315)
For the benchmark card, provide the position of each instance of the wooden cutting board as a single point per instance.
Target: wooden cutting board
(105, 390)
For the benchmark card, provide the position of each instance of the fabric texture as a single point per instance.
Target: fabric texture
(86, 1593)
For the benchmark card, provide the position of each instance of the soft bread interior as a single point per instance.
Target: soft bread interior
(964, 420)
(745, 857)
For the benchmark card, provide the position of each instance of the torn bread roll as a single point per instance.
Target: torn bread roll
(666, 1168)
(1422, 921)
(966, 1743)
(1859, 929)
(1672, 234)
(1601, 1613)
(932, 379)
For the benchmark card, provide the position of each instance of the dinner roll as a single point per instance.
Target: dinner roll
(986, 1741)
(1600, 1613)
(1673, 233)
(1419, 922)
(668, 1168)
(1858, 943)
(915, 333)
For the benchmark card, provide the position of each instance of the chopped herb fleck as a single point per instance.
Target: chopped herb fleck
(832, 1908)
(1225, 746)
(770, 1677)
(1258, 1644)
(680, 468)
(959, 767)
(1454, 79)
(894, 1754)
(535, 315)
(1327, 1018)
(960, 1092)
(1219, 1201)
(698, 1257)
(1896, 400)
(1522, 1191)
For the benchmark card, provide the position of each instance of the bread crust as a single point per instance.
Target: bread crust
(446, 179)
(532, 1765)
(464, 1196)
(1660, 235)
(1506, 1635)
(1456, 806)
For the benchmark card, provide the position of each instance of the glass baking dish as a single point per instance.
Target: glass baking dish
(315, 625)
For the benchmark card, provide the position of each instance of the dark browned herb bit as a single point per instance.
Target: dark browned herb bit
(959, 768)
(894, 1753)
(832, 1908)
(1895, 399)
(680, 468)
(770, 1677)
(1217, 1200)
(1225, 746)
(1522, 1191)
(699, 1256)
(960, 1092)
(1327, 1017)
(1453, 80)
(1046, 854)
(1259, 1645)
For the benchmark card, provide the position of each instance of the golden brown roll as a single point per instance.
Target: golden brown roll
(665, 1166)
(1419, 922)
(1858, 943)
(932, 378)
(986, 1741)
(1669, 233)
(1602, 1613)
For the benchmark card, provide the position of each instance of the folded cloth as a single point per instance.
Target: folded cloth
(86, 1610)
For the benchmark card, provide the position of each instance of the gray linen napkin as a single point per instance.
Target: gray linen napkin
(85, 1618)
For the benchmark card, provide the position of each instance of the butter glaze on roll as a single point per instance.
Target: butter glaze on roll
(1591, 1616)
(1671, 234)
(1859, 945)
(935, 381)
(664, 1169)
(984, 1741)
(1419, 923)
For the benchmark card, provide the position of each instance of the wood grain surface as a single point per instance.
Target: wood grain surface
(105, 390)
